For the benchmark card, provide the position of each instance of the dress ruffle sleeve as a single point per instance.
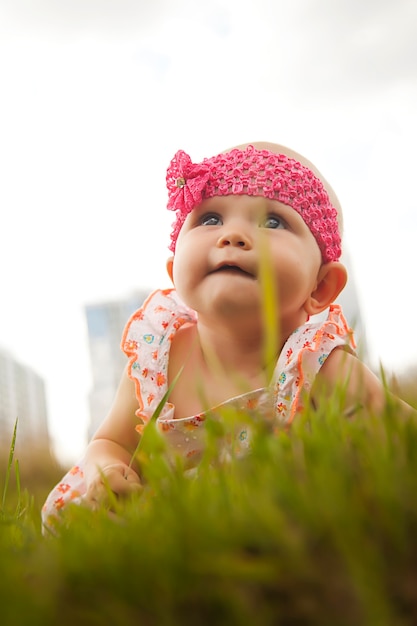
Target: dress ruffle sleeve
(147, 340)
(301, 358)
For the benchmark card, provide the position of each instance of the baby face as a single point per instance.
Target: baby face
(222, 246)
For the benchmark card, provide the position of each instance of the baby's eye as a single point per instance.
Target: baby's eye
(210, 219)
(273, 221)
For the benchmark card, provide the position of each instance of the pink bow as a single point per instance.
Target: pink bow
(185, 182)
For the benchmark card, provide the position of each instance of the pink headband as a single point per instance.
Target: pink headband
(254, 173)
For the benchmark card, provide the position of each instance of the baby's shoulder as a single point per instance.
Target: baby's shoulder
(184, 341)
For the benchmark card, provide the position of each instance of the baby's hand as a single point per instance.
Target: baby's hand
(118, 478)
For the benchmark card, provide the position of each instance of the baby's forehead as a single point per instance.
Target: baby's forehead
(252, 208)
(257, 205)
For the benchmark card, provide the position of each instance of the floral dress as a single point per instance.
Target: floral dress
(147, 340)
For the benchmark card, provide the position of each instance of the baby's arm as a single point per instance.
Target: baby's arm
(364, 390)
(108, 455)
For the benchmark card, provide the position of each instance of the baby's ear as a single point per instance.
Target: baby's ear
(331, 280)
(170, 268)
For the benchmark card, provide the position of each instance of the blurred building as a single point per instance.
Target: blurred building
(105, 324)
(22, 397)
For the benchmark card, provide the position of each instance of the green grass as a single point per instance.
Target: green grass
(314, 526)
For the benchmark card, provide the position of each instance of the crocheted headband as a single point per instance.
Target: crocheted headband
(255, 173)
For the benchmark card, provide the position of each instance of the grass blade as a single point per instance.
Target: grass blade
(9, 465)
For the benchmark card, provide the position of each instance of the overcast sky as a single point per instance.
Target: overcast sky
(97, 95)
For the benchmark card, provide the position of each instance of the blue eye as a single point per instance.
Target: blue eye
(210, 219)
(273, 221)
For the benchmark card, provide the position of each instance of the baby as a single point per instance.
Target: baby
(254, 223)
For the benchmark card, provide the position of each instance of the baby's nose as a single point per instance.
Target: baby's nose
(231, 238)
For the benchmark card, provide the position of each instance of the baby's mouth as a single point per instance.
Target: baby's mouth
(232, 269)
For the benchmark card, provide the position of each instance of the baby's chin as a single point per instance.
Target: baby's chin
(235, 302)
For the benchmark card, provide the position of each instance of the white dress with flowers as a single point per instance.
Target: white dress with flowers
(147, 340)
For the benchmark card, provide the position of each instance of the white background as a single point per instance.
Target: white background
(96, 96)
